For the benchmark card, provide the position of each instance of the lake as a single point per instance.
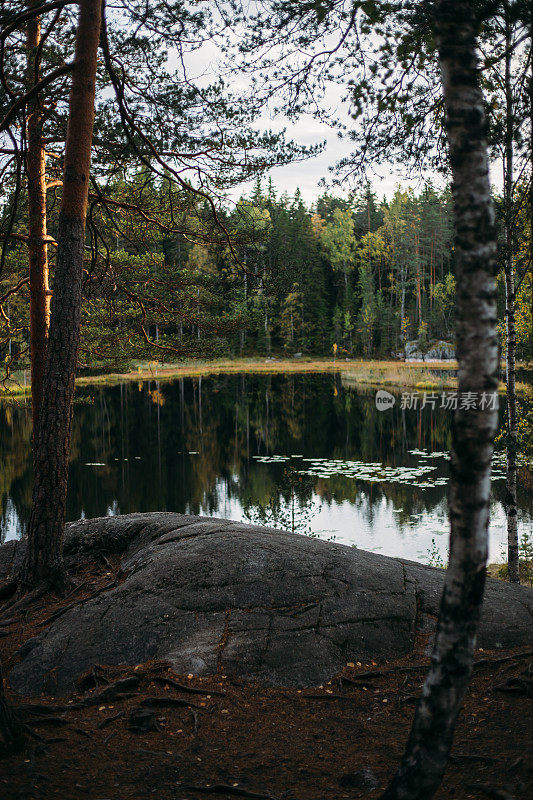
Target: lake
(309, 453)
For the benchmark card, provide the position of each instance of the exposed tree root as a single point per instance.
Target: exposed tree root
(491, 791)
(8, 589)
(482, 759)
(46, 720)
(226, 788)
(119, 690)
(166, 702)
(21, 601)
(483, 662)
(108, 720)
(520, 686)
(12, 737)
(184, 688)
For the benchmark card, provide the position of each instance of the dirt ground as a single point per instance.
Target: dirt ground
(157, 734)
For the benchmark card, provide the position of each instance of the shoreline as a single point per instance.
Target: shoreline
(396, 374)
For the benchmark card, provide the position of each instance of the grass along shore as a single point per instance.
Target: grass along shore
(355, 372)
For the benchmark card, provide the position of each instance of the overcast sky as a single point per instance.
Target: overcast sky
(204, 65)
(306, 175)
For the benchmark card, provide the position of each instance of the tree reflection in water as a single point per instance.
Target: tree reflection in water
(303, 452)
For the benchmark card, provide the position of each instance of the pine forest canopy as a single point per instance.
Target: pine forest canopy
(164, 152)
(365, 274)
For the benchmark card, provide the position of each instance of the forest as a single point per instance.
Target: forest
(368, 276)
(266, 273)
(145, 224)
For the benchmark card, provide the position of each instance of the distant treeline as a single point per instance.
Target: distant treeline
(356, 277)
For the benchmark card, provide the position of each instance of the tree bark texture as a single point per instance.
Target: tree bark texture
(44, 557)
(510, 318)
(430, 740)
(37, 247)
(531, 166)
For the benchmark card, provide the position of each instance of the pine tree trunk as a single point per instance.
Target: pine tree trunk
(402, 307)
(510, 314)
(418, 290)
(44, 556)
(11, 736)
(430, 740)
(37, 247)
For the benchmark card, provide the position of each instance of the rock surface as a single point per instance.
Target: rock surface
(434, 351)
(208, 594)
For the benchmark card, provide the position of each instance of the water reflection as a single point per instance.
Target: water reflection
(299, 451)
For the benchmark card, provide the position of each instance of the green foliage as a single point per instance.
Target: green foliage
(525, 554)
(434, 557)
(444, 304)
(338, 240)
(525, 423)
(271, 276)
(291, 322)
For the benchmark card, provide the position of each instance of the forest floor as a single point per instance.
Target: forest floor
(157, 734)
(357, 372)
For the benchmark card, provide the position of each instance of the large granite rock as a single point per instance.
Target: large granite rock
(208, 594)
(435, 351)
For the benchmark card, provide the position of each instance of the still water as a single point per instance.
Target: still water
(308, 453)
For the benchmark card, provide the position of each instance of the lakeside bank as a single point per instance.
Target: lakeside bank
(393, 374)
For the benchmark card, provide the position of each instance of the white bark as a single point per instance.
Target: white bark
(429, 744)
(510, 315)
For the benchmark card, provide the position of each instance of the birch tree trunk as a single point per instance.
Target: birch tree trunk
(44, 556)
(37, 247)
(531, 166)
(510, 314)
(430, 740)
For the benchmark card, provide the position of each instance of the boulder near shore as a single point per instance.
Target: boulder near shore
(211, 595)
